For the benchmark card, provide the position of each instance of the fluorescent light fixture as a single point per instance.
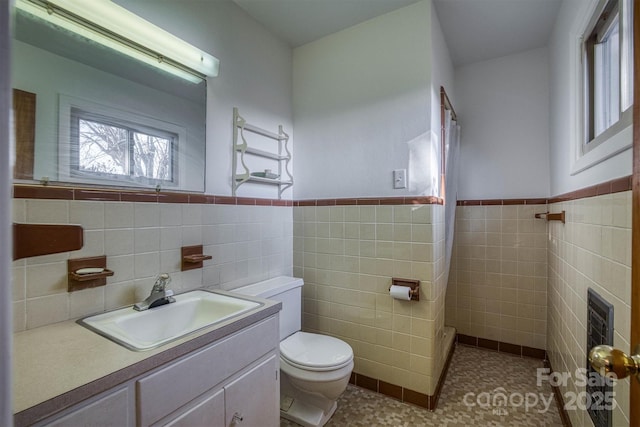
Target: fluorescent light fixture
(117, 28)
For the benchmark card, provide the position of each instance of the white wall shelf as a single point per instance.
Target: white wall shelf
(241, 148)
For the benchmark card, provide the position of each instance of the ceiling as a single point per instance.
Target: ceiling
(475, 30)
(302, 21)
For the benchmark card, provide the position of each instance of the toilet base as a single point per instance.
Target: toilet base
(308, 415)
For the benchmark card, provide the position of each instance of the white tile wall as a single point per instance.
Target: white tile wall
(142, 240)
(498, 280)
(592, 250)
(347, 256)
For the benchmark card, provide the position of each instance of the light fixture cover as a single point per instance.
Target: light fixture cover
(128, 26)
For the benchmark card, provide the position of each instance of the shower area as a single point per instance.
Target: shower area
(348, 250)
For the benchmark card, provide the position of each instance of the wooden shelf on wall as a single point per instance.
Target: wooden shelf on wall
(43, 239)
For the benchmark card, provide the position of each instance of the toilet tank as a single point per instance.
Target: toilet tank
(288, 291)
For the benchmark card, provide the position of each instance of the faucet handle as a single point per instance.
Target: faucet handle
(161, 282)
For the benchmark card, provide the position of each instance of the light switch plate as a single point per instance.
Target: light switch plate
(400, 178)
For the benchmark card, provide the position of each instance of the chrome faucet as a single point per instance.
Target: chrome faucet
(160, 295)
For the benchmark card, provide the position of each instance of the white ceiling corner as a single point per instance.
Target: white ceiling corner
(474, 30)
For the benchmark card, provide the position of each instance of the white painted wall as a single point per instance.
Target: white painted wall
(361, 99)
(255, 76)
(6, 165)
(442, 75)
(564, 109)
(503, 109)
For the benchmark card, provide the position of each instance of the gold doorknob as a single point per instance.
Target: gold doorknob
(606, 359)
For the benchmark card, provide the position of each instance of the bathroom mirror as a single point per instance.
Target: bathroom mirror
(103, 118)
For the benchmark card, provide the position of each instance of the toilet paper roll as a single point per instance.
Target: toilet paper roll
(400, 292)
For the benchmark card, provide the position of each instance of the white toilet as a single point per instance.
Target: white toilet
(315, 369)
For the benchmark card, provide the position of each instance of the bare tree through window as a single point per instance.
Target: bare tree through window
(105, 148)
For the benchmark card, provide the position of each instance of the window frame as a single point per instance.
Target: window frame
(615, 139)
(68, 161)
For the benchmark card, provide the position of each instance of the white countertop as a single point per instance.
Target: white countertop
(64, 363)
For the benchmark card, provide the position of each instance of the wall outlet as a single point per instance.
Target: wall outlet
(400, 178)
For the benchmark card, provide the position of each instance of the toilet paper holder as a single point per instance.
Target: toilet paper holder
(414, 284)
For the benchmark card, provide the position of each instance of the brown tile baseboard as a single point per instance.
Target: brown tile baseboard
(402, 394)
(503, 347)
(557, 394)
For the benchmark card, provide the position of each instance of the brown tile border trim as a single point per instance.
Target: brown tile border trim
(412, 200)
(433, 399)
(610, 187)
(22, 191)
(502, 347)
(31, 191)
(557, 394)
(402, 394)
(502, 202)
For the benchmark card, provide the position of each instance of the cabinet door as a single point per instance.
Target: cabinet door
(253, 399)
(208, 413)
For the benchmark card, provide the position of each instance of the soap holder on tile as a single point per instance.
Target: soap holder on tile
(96, 273)
(192, 257)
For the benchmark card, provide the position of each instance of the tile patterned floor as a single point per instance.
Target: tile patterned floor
(475, 373)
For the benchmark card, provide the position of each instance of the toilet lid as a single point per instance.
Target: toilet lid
(315, 352)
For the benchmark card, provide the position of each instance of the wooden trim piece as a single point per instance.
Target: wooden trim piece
(44, 239)
(24, 110)
(634, 394)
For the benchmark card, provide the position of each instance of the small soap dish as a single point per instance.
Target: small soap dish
(266, 174)
(192, 257)
(86, 273)
(94, 273)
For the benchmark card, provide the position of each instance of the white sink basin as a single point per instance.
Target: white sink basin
(144, 330)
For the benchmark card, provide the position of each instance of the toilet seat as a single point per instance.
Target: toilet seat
(315, 352)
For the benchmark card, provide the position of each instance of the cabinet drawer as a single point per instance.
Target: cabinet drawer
(168, 389)
(111, 410)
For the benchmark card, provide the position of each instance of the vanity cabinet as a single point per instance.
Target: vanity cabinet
(230, 382)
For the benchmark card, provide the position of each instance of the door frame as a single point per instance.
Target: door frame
(634, 393)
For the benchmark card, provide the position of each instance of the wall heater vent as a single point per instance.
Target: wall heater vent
(599, 331)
